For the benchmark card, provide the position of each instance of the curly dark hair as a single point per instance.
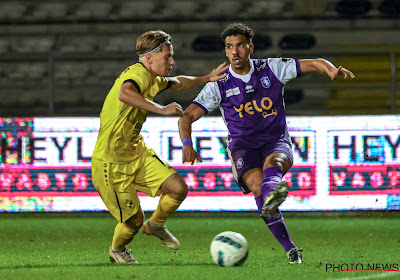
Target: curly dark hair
(238, 28)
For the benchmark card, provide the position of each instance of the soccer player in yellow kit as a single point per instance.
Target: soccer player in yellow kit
(121, 162)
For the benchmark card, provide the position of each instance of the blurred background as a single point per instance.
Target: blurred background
(60, 58)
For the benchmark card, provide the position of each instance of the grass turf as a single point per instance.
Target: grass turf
(76, 247)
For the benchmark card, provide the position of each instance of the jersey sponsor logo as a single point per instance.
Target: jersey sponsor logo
(265, 82)
(263, 107)
(232, 91)
(262, 66)
(288, 60)
(225, 79)
(249, 88)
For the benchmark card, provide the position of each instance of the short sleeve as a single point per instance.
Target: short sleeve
(140, 79)
(209, 98)
(285, 69)
(163, 83)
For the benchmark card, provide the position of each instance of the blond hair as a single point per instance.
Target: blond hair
(151, 41)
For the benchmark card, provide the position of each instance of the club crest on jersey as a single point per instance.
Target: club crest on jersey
(239, 163)
(265, 82)
(129, 203)
(232, 91)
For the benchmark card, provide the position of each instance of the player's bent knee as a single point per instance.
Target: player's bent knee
(175, 187)
(136, 221)
(279, 160)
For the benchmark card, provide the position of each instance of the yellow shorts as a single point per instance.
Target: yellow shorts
(117, 183)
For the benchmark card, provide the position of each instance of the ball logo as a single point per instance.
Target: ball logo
(239, 163)
(265, 82)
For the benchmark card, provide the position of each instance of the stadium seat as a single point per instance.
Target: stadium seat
(129, 10)
(297, 42)
(49, 11)
(33, 44)
(118, 43)
(309, 8)
(222, 9)
(27, 72)
(178, 10)
(77, 43)
(262, 8)
(390, 8)
(353, 8)
(107, 70)
(71, 72)
(12, 11)
(360, 102)
(262, 42)
(208, 43)
(93, 10)
(4, 46)
(34, 98)
(293, 96)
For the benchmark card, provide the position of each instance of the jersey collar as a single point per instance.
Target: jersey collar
(244, 78)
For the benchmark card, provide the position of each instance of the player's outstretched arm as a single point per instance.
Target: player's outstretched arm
(180, 83)
(130, 96)
(191, 114)
(325, 67)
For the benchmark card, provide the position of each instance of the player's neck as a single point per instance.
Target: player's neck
(242, 71)
(148, 68)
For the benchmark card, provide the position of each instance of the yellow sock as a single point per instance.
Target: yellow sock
(166, 207)
(122, 236)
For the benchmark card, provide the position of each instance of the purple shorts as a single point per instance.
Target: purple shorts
(244, 159)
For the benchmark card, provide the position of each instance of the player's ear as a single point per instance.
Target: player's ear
(149, 58)
(251, 48)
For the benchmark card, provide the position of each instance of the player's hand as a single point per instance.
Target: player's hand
(190, 155)
(173, 109)
(341, 71)
(216, 74)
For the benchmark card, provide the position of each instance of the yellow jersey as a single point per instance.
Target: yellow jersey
(120, 123)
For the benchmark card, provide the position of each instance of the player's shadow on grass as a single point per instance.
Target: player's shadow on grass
(27, 266)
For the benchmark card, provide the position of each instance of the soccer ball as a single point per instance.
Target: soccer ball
(229, 249)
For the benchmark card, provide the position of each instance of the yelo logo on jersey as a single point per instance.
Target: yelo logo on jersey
(249, 107)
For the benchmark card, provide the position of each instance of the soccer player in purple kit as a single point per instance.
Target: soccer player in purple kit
(250, 98)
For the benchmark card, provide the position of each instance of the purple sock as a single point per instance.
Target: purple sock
(272, 177)
(276, 225)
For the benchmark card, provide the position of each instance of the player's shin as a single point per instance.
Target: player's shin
(272, 177)
(277, 226)
(122, 236)
(166, 207)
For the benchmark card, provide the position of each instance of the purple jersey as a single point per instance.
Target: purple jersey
(252, 105)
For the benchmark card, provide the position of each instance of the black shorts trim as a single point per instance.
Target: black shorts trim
(119, 207)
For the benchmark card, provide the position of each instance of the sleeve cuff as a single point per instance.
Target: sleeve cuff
(201, 106)
(298, 69)
(134, 83)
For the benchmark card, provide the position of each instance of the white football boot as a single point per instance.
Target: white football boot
(167, 239)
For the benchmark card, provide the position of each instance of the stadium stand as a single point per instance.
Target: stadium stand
(44, 11)
(32, 44)
(11, 11)
(129, 10)
(82, 38)
(390, 8)
(93, 10)
(297, 42)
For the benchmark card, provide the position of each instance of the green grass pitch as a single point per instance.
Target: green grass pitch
(76, 247)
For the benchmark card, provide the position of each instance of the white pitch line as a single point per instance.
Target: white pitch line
(374, 276)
